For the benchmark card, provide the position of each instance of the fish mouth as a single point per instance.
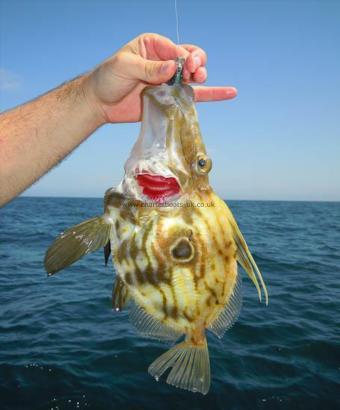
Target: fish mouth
(157, 187)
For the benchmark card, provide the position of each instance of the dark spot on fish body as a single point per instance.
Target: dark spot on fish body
(183, 250)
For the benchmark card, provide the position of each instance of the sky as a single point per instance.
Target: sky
(279, 140)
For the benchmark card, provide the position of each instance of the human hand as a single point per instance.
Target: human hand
(115, 86)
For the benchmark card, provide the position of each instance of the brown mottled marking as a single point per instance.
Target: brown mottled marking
(141, 276)
(174, 312)
(149, 275)
(117, 227)
(126, 214)
(146, 233)
(221, 227)
(133, 254)
(202, 268)
(128, 278)
(210, 230)
(165, 310)
(211, 290)
(121, 253)
(201, 265)
(161, 274)
(228, 243)
(188, 317)
(114, 199)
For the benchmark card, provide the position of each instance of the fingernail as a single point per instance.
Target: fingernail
(197, 61)
(231, 92)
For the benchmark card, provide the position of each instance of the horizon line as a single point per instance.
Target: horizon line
(230, 199)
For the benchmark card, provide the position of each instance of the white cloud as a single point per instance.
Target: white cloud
(9, 81)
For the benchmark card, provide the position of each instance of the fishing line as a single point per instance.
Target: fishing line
(177, 21)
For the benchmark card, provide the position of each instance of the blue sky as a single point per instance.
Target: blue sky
(280, 139)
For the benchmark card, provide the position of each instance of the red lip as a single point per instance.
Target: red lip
(157, 187)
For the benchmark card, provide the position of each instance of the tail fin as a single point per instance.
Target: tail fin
(190, 367)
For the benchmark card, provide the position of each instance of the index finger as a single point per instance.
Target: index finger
(214, 93)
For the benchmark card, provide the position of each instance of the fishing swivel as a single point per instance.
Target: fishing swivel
(178, 76)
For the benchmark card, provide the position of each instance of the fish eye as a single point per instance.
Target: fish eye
(203, 164)
(182, 250)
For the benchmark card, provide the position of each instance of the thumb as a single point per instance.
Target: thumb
(157, 72)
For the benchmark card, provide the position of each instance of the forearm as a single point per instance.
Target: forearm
(37, 135)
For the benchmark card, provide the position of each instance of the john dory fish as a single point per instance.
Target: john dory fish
(176, 266)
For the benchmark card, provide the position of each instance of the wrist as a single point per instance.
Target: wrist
(86, 89)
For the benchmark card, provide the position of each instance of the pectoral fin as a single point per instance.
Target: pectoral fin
(246, 260)
(76, 242)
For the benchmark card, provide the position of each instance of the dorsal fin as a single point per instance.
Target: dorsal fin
(244, 257)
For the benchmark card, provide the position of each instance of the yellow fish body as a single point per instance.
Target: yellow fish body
(175, 243)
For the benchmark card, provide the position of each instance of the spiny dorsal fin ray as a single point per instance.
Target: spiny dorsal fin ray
(231, 311)
(151, 327)
(107, 252)
(76, 242)
(245, 258)
(120, 294)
